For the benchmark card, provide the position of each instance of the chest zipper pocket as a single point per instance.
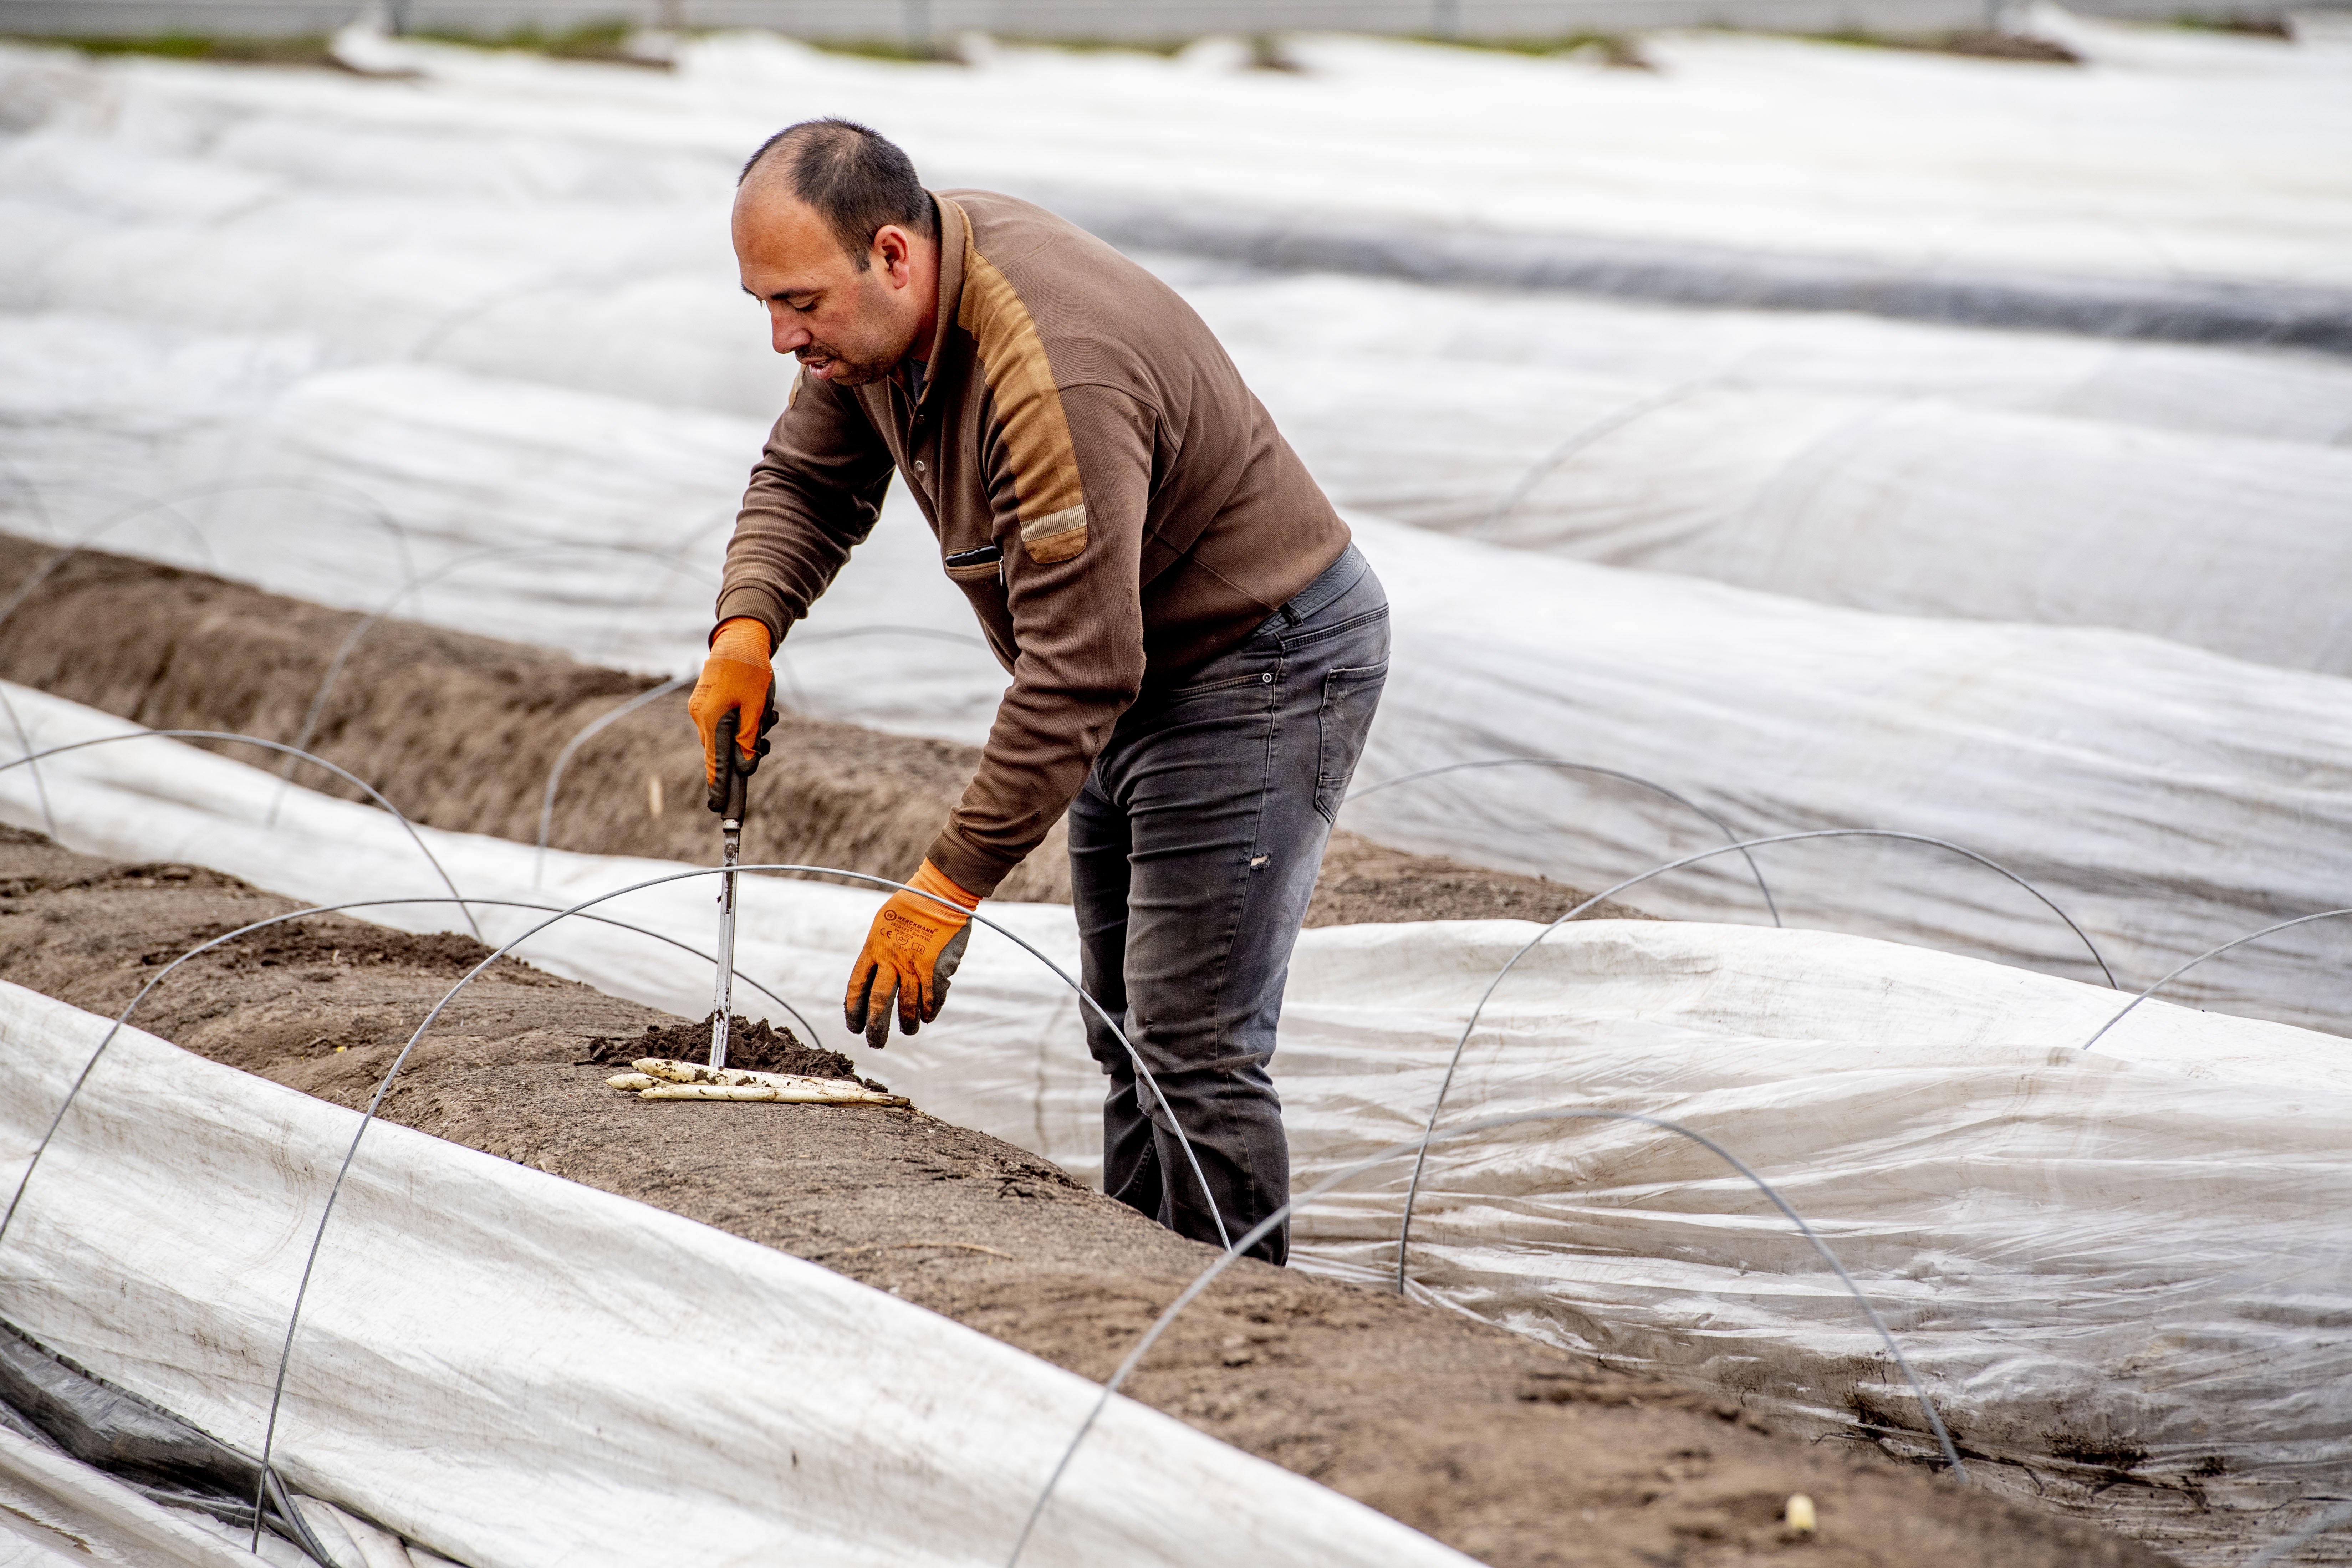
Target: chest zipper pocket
(977, 565)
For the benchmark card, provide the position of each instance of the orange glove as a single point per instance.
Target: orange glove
(736, 678)
(911, 953)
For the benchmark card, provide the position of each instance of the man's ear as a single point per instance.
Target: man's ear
(896, 253)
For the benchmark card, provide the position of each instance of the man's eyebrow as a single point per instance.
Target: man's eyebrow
(781, 293)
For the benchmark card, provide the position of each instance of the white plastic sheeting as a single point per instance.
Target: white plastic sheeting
(2219, 161)
(2131, 1250)
(468, 1370)
(1419, 344)
(55, 1513)
(589, 523)
(598, 259)
(1901, 504)
(1816, 456)
(1904, 504)
(2170, 799)
(1913, 506)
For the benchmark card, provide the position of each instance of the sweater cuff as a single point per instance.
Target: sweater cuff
(746, 599)
(965, 864)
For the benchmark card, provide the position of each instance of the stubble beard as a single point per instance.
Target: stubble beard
(847, 370)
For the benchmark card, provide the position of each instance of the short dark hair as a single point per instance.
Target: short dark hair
(855, 177)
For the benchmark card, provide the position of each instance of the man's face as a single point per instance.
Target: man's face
(847, 323)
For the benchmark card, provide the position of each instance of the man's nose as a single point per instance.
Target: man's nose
(790, 336)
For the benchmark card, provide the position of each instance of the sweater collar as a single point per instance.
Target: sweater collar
(955, 232)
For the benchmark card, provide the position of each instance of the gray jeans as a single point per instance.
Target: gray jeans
(1193, 850)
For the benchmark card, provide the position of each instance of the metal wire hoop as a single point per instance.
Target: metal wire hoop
(1730, 838)
(367, 1119)
(1394, 1151)
(1413, 1188)
(123, 1017)
(351, 778)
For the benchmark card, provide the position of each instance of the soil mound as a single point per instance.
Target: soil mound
(295, 943)
(757, 1047)
(460, 731)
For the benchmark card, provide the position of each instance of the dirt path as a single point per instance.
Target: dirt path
(1508, 1450)
(460, 731)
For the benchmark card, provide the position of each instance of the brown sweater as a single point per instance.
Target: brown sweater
(1110, 497)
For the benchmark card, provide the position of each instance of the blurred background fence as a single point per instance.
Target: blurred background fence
(916, 22)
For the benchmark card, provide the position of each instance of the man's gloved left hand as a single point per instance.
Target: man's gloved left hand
(910, 953)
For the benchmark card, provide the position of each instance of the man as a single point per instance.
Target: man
(1196, 648)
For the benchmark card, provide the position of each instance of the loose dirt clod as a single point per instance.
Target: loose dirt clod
(757, 1047)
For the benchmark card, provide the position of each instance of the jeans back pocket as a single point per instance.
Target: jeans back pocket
(1350, 697)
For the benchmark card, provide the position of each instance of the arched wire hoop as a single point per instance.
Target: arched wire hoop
(594, 728)
(24, 481)
(677, 555)
(1413, 1188)
(438, 331)
(1730, 838)
(884, 628)
(123, 1017)
(2276, 1550)
(367, 1119)
(350, 778)
(25, 745)
(782, 653)
(718, 519)
(369, 622)
(333, 489)
(1597, 430)
(348, 494)
(2214, 952)
(1208, 1275)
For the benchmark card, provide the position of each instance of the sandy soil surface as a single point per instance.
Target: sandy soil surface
(460, 731)
(1510, 1451)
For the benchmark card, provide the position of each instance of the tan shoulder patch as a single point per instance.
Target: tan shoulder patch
(1045, 485)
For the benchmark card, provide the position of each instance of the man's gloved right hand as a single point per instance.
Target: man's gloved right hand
(736, 679)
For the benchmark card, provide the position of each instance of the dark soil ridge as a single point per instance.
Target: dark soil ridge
(460, 731)
(1508, 1450)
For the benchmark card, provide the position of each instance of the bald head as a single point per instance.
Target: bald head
(838, 239)
(856, 180)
